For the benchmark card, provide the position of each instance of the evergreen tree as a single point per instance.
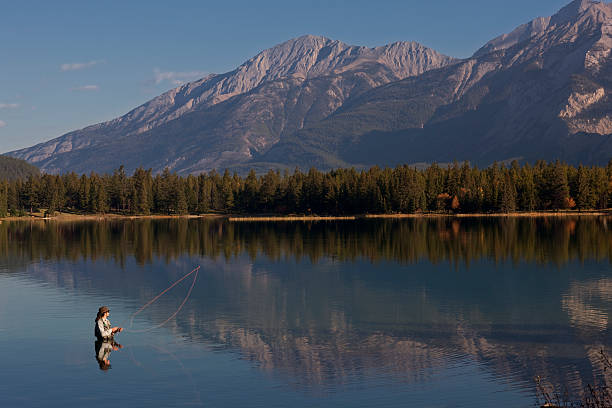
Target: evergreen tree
(216, 196)
(555, 188)
(70, 184)
(84, 193)
(250, 195)
(453, 179)
(142, 187)
(609, 177)
(165, 192)
(119, 190)
(56, 198)
(508, 199)
(98, 198)
(527, 189)
(14, 204)
(584, 197)
(180, 203)
(435, 185)
(599, 187)
(4, 191)
(32, 188)
(132, 199)
(293, 195)
(227, 193)
(204, 198)
(268, 191)
(191, 190)
(493, 188)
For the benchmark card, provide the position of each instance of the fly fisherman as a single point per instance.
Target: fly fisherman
(103, 330)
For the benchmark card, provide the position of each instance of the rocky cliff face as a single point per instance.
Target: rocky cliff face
(279, 90)
(575, 41)
(540, 92)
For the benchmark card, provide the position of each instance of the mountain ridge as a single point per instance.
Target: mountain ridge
(301, 60)
(538, 92)
(548, 92)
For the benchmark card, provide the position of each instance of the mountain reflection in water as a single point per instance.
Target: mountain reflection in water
(328, 303)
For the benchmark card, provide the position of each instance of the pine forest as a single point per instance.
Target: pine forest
(457, 188)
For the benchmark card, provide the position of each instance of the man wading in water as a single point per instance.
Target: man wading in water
(105, 343)
(103, 330)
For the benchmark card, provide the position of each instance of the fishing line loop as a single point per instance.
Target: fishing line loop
(196, 271)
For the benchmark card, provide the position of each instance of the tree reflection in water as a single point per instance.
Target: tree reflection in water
(544, 240)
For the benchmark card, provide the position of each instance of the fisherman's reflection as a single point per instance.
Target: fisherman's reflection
(103, 351)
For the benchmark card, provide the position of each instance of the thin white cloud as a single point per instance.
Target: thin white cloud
(176, 78)
(9, 105)
(75, 66)
(2, 123)
(87, 88)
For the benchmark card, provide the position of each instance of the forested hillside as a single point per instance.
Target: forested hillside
(13, 169)
(404, 189)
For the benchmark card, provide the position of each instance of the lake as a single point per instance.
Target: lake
(434, 312)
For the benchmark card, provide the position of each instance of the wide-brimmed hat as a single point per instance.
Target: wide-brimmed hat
(103, 310)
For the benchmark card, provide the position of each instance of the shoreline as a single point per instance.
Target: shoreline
(292, 218)
(423, 215)
(533, 214)
(273, 218)
(104, 217)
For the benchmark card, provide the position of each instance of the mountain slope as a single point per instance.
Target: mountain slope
(13, 169)
(225, 120)
(541, 92)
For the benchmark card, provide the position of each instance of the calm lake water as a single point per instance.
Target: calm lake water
(367, 313)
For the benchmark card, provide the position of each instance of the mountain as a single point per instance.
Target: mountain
(229, 119)
(13, 169)
(540, 92)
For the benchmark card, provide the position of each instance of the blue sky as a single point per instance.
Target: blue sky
(68, 64)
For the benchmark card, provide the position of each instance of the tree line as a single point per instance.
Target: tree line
(403, 189)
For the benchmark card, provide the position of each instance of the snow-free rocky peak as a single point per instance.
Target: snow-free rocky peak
(317, 73)
(571, 20)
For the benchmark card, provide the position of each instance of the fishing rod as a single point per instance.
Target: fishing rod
(194, 272)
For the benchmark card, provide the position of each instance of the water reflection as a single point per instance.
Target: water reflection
(329, 304)
(582, 304)
(544, 240)
(103, 350)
